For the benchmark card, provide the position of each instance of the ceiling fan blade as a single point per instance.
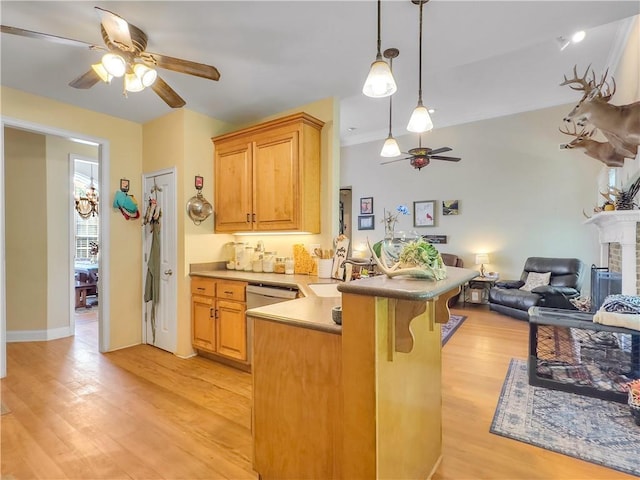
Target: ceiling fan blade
(167, 94)
(182, 66)
(48, 37)
(439, 150)
(86, 80)
(116, 27)
(393, 161)
(448, 159)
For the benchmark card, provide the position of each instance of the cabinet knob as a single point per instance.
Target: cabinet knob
(168, 272)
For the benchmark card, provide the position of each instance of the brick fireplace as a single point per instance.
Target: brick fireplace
(619, 235)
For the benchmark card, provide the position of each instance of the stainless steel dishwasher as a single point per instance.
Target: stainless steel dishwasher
(259, 296)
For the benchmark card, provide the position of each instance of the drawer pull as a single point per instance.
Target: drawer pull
(200, 288)
(228, 292)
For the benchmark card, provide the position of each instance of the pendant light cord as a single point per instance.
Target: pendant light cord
(390, 96)
(420, 59)
(378, 56)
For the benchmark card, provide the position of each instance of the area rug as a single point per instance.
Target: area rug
(587, 428)
(449, 328)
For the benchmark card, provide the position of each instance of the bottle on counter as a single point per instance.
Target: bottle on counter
(289, 265)
(256, 262)
(278, 266)
(268, 262)
(239, 255)
(248, 257)
(230, 255)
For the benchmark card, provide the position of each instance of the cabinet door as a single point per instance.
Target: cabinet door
(276, 182)
(203, 322)
(231, 338)
(233, 183)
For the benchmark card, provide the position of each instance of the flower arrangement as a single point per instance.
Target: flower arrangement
(391, 218)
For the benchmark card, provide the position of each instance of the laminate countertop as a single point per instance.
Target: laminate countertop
(314, 311)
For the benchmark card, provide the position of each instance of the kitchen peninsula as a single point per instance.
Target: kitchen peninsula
(358, 401)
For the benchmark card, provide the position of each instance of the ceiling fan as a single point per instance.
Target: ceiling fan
(422, 156)
(126, 56)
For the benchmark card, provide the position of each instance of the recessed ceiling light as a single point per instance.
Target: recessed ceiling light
(431, 110)
(578, 36)
(351, 129)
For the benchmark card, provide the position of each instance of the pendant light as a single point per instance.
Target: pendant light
(390, 147)
(420, 120)
(380, 82)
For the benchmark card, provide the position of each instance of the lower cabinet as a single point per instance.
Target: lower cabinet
(218, 315)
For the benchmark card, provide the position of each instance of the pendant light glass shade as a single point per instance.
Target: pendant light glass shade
(105, 76)
(132, 83)
(390, 147)
(420, 120)
(380, 82)
(146, 75)
(114, 64)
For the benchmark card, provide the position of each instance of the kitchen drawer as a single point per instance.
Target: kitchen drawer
(203, 286)
(232, 291)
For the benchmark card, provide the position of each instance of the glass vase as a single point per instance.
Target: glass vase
(393, 244)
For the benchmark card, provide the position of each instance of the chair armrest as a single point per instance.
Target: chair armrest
(510, 284)
(551, 290)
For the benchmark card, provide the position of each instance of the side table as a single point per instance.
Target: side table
(477, 290)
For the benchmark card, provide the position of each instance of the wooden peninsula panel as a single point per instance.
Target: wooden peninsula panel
(297, 402)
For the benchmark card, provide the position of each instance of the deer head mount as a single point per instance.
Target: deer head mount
(602, 151)
(620, 124)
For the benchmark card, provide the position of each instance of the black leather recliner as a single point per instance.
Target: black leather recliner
(567, 275)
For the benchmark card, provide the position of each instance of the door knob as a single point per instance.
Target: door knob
(168, 272)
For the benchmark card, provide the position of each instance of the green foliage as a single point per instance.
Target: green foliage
(421, 253)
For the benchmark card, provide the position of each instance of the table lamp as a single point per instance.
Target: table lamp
(481, 259)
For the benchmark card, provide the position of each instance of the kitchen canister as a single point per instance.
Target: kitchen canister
(268, 262)
(289, 266)
(324, 267)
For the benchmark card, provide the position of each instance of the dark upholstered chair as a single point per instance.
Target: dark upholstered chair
(567, 275)
(452, 261)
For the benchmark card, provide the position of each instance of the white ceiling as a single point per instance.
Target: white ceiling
(481, 58)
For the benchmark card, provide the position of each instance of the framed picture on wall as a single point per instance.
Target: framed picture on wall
(366, 206)
(366, 222)
(450, 207)
(424, 213)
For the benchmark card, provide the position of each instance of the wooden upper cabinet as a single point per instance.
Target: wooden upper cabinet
(267, 177)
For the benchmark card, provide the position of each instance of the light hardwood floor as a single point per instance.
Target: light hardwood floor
(143, 413)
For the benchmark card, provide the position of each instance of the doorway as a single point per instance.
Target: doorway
(160, 255)
(102, 146)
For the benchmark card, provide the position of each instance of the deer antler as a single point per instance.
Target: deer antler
(585, 85)
(606, 92)
(583, 132)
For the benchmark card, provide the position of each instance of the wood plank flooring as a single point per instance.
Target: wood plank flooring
(143, 413)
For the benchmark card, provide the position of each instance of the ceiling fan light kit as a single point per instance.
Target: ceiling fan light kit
(380, 82)
(105, 76)
(146, 75)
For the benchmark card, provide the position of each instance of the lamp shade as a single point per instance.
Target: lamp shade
(105, 76)
(380, 82)
(482, 258)
(114, 64)
(390, 148)
(420, 120)
(132, 83)
(146, 75)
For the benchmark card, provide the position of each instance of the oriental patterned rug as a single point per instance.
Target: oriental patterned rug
(449, 328)
(590, 429)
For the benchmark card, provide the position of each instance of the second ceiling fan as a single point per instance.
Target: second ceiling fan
(421, 156)
(126, 56)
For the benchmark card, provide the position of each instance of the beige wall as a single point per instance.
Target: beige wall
(125, 141)
(520, 196)
(26, 225)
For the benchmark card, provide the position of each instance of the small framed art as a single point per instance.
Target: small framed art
(450, 207)
(124, 185)
(366, 206)
(366, 222)
(424, 213)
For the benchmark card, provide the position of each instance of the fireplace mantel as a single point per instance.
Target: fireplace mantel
(619, 226)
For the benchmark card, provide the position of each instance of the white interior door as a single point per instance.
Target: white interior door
(161, 186)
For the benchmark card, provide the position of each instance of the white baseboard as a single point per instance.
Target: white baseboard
(38, 335)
